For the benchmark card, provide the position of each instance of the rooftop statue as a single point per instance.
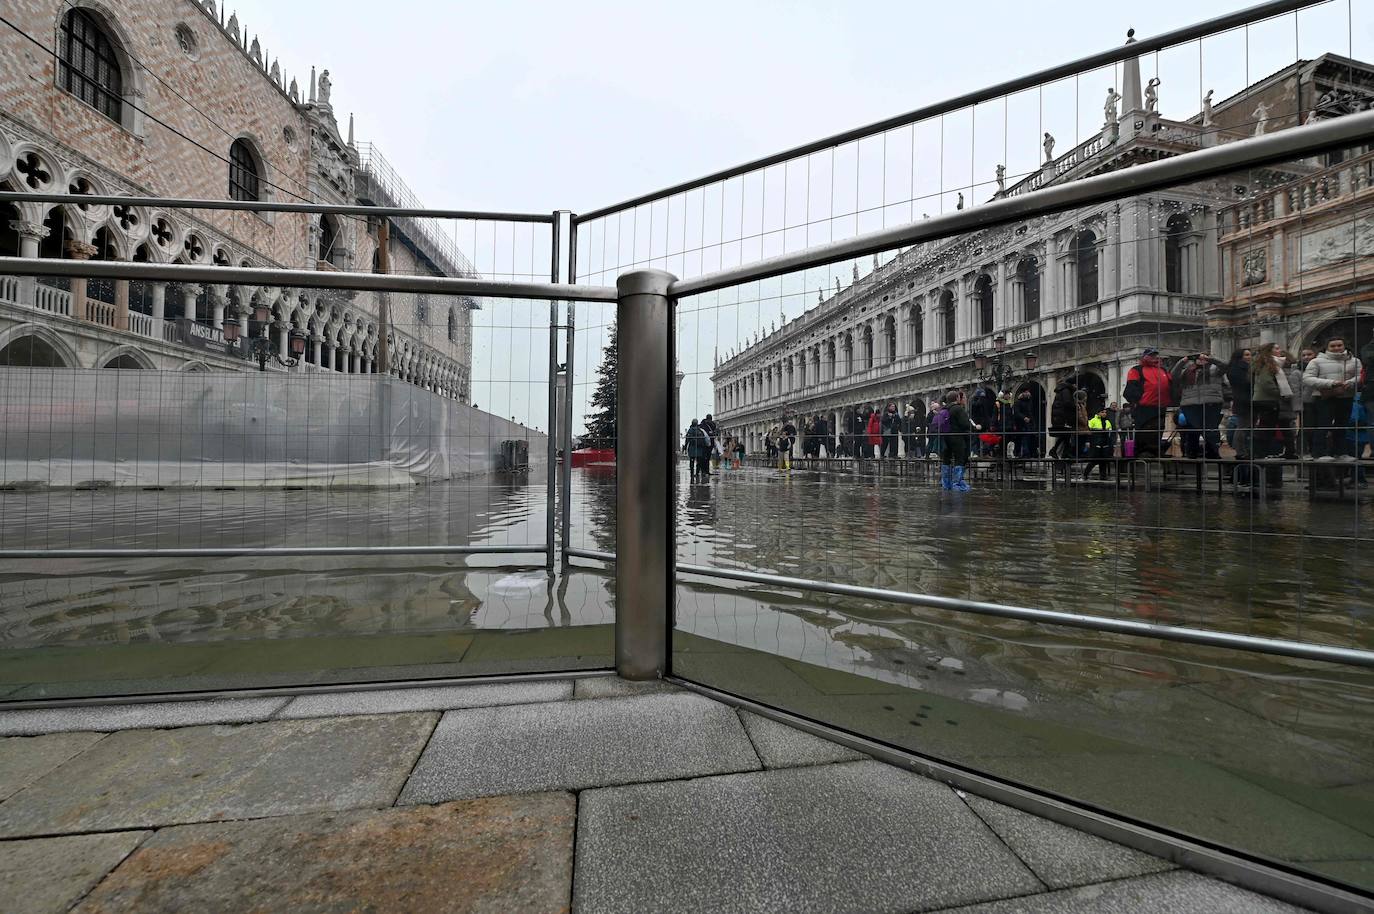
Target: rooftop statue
(1152, 96)
(1207, 108)
(1049, 148)
(1109, 106)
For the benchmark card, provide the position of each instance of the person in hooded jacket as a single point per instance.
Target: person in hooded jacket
(1149, 394)
(892, 431)
(697, 444)
(1335, 376)
(934, 439)
(1062, 420)
(1202, 384)
(1025, 422)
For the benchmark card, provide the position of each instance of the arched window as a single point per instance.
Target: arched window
(947, 317)
(1176, 233)
(868, 347)
(1085, 246)
(1029, 275)
(983, 294)
(31, 352)
(847, 350)
(89, 67)
(244, 173)
(452, 325)
(125, 361)
(918, 330)
(329, 240)
(890, 338)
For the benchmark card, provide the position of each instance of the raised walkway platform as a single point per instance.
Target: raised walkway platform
(593, 794)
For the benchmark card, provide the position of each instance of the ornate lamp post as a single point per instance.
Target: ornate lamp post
(994, 369)
(258, 345)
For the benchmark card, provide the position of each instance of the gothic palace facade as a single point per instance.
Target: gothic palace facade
(1287, 258)
(168, 98)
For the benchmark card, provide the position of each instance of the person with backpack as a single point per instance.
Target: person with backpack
(955, 453)
(1149, 395)
(934, 433)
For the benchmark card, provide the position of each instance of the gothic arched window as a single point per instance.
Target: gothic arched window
(90, 67)
(1085, 246)
(244, 172)
(918, 330)
(890, 338)
(329, 240)
(452, 326)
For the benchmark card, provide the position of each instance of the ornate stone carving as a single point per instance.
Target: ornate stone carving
(1001, 178)
(1207, 108)
(1255, 267)
(326, 87)
(1261, 116)
(1152, 96)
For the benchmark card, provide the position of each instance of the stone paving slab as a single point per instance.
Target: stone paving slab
(106, 718)
(495, 855)
(48, 875)
(781, 746)
(438, 698)
(143, 778)
(576, 744)
(1163, 893)
(615, 687)
(861, 837)
(25, 759)
(1063, 857)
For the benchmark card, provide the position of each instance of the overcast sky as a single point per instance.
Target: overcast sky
(542, 106)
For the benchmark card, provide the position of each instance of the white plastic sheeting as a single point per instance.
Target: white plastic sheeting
(80, 427)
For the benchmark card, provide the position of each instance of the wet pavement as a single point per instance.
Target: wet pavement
(327, 814)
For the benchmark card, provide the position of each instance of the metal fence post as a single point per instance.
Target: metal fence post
(565, 504)
(645, 475)
(550, 505)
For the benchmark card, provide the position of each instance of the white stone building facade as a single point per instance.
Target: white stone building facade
(1086, 291)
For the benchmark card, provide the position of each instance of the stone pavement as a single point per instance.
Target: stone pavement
(595, 794)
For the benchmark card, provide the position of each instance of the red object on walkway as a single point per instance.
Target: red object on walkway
(593, 457)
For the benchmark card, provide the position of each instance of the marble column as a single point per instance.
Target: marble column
(80, 250)
(31, 235)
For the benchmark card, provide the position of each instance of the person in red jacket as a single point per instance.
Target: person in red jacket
(1149, 396)
(874, 431)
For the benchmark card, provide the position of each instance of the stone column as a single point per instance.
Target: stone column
(190, 297)
(121, 305)
(157, 293)
(79, 250)
(284, 330)
(31, 235)
(218, 296)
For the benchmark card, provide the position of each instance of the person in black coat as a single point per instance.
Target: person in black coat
(1063, 420)
(981, 411)
(1025, 422)
(891, 425)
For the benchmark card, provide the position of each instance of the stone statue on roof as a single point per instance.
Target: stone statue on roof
(1001, 178)
(1152, 96)
(1049, 147)
(1261, 116)
(1109, 106)
(326, 86)
(1207, 108)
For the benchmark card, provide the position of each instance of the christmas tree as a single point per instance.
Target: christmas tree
(601, 424)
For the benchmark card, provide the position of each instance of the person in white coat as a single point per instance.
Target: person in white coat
(1335, 376)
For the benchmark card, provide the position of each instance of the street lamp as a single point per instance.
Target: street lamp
(994, 369)
(258, 345)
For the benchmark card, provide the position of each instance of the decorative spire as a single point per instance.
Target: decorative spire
(1132, 99)
(276, 72)
(350, 128)
(312, 85)
(295, 91)
(255, 51)
(234, 26)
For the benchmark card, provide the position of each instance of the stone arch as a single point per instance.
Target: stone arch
(193, 365)
(51, 339)
(1354, 328)
(130, 356)
(1092, 381)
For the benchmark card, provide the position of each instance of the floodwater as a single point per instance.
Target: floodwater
(1061, 706)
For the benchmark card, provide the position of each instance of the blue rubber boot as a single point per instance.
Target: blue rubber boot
(946, 476)
(958, 483)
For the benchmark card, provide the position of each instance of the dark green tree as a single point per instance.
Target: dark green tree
(601, 424)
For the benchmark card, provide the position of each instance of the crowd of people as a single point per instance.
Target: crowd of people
(1265, 403)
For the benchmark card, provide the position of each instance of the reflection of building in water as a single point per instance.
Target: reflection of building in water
(166, 98)
(1088, 290)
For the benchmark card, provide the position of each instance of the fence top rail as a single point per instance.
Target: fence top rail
(1293, 143)
(302, 279)
(266, 206)
(1223, 23)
